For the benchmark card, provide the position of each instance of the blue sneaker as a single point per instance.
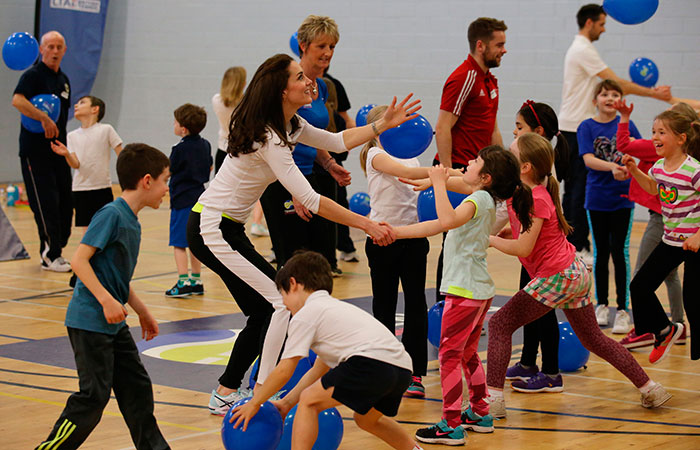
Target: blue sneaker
(474, 422)
(416, 388)
(519, 372)
(540, 383)
(441, 433)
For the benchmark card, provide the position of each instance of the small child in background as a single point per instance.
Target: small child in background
(105, 353)
(88, 152)
(190, 164)
(607, 204)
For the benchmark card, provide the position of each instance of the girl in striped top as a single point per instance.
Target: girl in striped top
(676, 178)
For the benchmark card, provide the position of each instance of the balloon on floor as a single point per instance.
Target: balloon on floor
(572, 354)
(435, 323)
(263, 433)
(330, 430)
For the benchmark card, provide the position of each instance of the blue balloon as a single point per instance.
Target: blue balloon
(330, 430)
(264, 430)
(572, 354)
(435, 323)
(48, 103)
(361, 116)
(20, 51)
(409, 139)
(630, 12)
(644, 72)
(294, 44)
(359, 203)
(426, 203)
(303, 366)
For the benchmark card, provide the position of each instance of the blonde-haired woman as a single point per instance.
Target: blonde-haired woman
(223, 102)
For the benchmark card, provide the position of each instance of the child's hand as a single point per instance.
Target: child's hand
(692, 243)
(149, 326)
(438, 175)
(629, 162)
(244, 413)
(620, 173)
(382, 234)
(114, 311)
(624, 110)
(420, 184)
(506, 233)
(59, 148)
(396, 114)
(301, 210)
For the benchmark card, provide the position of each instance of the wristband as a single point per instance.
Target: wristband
(328, 163)
(374, 128)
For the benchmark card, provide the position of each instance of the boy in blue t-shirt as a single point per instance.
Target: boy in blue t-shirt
(190, 164)
(607, 204)
(106, 356)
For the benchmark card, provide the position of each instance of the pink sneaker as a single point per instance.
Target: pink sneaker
(662, 344)
(633, 341)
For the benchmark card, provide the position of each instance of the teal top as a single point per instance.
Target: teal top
(116, 234)
(464, 272)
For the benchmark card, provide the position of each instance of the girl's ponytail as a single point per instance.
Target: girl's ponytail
(694, 140)
(522, 205)
(375, 114)
(561, 156)
(553, 189)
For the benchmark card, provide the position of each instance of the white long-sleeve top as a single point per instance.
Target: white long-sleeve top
(241, 180)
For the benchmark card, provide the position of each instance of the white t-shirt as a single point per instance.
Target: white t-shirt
(336, 330)
(241, 180)
(582, 64)
(223, 113)
(391, 201)
(92, 146)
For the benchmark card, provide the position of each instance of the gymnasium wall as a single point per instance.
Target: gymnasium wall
(159, 54)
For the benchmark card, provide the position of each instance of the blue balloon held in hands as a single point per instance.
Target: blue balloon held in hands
(359, 203)
(631, 12)
(644, 72)
(330, 430)
(20, 51)
(48, 103)
(361, 116)
(435, 323)
(303, 366)
(409, 139)
(294, 44)
(264, 429)
(426, 203)
(572, 354)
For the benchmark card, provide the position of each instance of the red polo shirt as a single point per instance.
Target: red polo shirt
(472, 95)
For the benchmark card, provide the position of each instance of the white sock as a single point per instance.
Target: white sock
(648, 386)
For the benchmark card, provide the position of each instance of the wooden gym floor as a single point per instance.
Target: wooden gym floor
(599, 407)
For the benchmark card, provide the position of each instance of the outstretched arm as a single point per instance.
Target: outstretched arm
(521, 247)
(662, 93)
(644, 180)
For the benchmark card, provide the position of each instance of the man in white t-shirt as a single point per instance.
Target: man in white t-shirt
(583, 69)
(360, 363)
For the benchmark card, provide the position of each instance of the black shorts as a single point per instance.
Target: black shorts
(362, 383)
(87, 203)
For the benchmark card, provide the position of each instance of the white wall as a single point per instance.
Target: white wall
(159, 54)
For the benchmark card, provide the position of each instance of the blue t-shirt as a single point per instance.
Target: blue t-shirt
(190, 161)
(317, 115)
(603, 191)
(116, 234)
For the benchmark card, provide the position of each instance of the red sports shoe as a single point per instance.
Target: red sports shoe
(632, 340)
(662, 344)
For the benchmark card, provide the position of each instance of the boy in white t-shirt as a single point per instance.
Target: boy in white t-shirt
(360, 363)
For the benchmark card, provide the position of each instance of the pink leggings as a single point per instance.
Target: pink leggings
(523, 309)
(462, 319)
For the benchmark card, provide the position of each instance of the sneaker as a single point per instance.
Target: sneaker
(416, 388)
(259, 230)
(602, 315)
(497, 407)
(271, 258)
(441, 433)
(633, 341)
(622, 323)
(349, 257)
(336, 272)
(540, 383)
(656, 397)
(184, 290)
(57, 265)
(471, 421)
(683, 337)
(220, 404)
(587, 258)
(662, 344)
(519, 372)
(197, 288)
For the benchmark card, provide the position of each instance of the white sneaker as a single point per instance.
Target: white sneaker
(622, 324)
(497, 407)
(259, 230)
(349, 257)
(220, 404)
(656, 397)
(587, 257)
(271, 258)
(57, 265)
(602, 315)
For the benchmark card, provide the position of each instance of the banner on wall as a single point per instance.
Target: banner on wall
(82, 23)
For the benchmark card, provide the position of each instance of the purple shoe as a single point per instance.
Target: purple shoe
(519, 372)
(540, 383)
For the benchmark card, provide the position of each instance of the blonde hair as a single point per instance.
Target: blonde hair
(314, 26)
(686, 110)
(331, 104)
(232, 85)
(679, 123)
(538, 151)
(375, 114)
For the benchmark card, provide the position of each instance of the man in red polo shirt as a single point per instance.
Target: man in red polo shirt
(467, 119)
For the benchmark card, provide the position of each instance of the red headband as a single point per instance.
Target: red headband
(531, 104)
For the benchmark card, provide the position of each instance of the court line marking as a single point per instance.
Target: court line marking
(652, 368)
(38, 374)
(610, 380)
(17, 337)
(31, 318)
(187, 436)
(672, 408)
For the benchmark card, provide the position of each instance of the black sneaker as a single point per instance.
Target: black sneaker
(72, 281)
(197, 288)
(336, 272)
(441, 433)
(179, 291)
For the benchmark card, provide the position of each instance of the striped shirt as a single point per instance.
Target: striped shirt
(679, 192)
